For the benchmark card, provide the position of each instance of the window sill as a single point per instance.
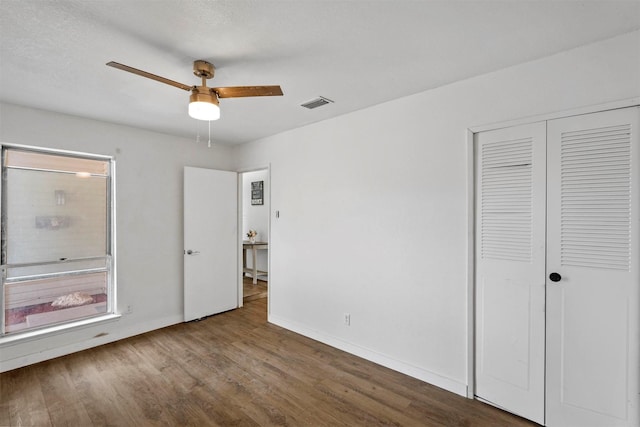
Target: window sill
(19, 338)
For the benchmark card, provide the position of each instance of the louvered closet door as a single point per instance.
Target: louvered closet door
(510, 269)
(593, 234)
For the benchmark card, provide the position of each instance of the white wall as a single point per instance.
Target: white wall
(149, 176)
(373, 218)
(256, 217)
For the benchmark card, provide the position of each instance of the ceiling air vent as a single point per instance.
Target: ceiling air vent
(316, 102)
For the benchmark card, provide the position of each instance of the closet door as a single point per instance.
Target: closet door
(510, 269)
(592, 270)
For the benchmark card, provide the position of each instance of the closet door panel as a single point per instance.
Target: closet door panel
(593, 233)
(510, 215)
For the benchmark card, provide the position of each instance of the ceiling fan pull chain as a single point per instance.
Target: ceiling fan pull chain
(209, 144)
(197, 132)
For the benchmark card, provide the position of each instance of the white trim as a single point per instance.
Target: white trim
(58, 151)
(20, 338)
(113, 298)
(630, 102)
(373, 356)
(95, 341)
(270, 251)
(471, 312)
(239, 248)
(254, 168)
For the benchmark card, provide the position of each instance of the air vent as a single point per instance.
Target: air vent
(316, 102)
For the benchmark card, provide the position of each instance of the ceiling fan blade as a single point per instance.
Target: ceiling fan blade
(149, 75)
(245, 91)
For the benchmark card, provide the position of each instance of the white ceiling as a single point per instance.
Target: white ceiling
(357, 53)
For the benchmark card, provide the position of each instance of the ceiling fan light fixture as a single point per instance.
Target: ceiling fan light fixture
(204, 105)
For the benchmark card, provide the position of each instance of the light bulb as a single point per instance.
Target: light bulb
(204, 110)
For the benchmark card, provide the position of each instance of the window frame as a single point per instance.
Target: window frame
(110, 250)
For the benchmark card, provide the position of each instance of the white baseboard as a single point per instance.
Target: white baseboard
(373, 356)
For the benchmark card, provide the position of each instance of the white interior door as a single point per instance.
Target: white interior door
(593, 234)
(510, 269)
(210, 242)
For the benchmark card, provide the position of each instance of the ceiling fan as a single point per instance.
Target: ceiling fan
(203, 102)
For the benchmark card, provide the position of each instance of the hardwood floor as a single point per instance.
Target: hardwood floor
(251, 292)
(230, 369)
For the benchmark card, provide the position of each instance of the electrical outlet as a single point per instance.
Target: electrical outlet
(347, 319)
(128, 309)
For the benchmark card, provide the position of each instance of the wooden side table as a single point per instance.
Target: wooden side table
(254, 249)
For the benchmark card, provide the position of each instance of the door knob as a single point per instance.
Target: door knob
(555, 277)
(190, 252)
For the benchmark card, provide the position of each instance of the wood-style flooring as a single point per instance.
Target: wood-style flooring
(230, 369)
(252, 292)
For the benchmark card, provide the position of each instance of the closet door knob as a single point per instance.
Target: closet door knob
(555, 277)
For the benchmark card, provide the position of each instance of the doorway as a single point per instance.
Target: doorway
(254, 224)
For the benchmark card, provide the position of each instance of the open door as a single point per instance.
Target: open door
(210, 242)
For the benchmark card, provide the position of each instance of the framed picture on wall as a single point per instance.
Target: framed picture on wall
(257, 193)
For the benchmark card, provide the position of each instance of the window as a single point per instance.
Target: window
(57, 237)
